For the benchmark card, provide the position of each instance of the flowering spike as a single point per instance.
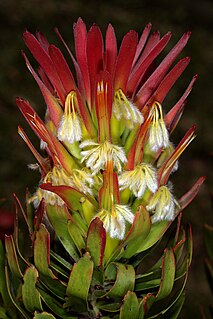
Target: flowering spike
(54, 108)
(166, 169)
(62, 69)
(153, 81)
(46, 63)
(144, 63)
(124, 65)
(104, 186)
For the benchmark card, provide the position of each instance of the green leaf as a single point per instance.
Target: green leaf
(54, 286)
(110, 307)
(157, 231)
(135, 236)
(12, 257)
(3, 314)
(145, 285)
(3, 286)
(138, 233)
(186, 199)
(30, 295)
(172, 303)
(59, 217)
(13, 299)
(54, 305)
(130, 307)
(39, 215)
(79, 283)
(77, 235)
(44, 315)
(71, 196)
(42, 251)
(174, 311)
(96, 241)
(123, 277)
(168, 275)
(183, 267)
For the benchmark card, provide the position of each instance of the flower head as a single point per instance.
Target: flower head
(79, 179)
(102, 122)
(141, 177)
(126, 110)
(69, 128)
(158, 134)
(114, 221)
(97, 157)
(163, 205)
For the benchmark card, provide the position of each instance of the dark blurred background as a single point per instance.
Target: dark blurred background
(176, 16)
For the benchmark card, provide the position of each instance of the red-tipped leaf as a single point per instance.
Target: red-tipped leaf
(111, 50)
(186, 199)
(124, 64)
(94, 55)
(154, 80)
(170, 80)
(96, 241)
(46, 63)
(143, 64)
(167, 167)
(62, 69)
(142, 41)
(80, 35)
(54, 108)
(173, 113)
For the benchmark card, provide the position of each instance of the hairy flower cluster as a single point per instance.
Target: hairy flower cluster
(107, 136)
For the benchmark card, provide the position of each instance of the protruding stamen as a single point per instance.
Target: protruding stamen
(97, 157)
(115, 220)
(158, 134)
(80, 180)
(123, 108)
(69, 128)
(163, 204)
(143, 176)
